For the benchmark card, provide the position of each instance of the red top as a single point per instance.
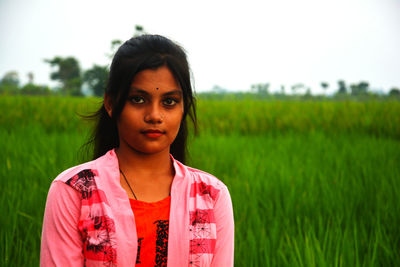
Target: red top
(152, 221)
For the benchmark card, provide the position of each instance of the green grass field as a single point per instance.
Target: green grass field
(312, 183)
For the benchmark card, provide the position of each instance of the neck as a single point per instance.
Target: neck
(144, 165)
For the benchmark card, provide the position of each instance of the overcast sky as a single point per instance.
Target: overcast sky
(230, 43)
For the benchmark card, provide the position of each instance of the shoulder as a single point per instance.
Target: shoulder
(76, 170)
(85, 172)
(204, 177)
(203, 183)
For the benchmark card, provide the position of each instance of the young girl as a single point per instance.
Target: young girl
(136, 203)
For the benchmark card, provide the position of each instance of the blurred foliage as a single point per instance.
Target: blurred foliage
(394, 92)
(68, 73)
(96, 79)
(11, 79)
(260, 88)
(32, 89)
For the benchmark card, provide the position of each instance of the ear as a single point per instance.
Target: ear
(108, 104)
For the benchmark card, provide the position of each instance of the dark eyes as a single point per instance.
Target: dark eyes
(137, 99)
(169, 102)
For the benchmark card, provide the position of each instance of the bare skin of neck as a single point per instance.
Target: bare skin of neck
(149, 175)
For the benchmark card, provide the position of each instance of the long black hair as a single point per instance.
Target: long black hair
(137, 54)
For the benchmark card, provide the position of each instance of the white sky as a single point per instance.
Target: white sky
(230, 43)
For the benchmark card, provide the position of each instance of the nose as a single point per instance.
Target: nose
(154, 114)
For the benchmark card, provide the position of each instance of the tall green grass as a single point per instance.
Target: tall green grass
(260, 117)
(301, 198)
(309, 200)
(30, 159)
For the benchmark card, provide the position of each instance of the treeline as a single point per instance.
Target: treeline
(66, 71)
(73, 81)
(299, 91)
(261, 91)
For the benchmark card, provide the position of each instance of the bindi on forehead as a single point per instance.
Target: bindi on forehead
(149, 91)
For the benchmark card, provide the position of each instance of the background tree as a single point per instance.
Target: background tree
(282, 89)
(96, 79)
(10, 78)
(216, 89)
(394, 92)
(33, 89)
(324, 86)
(354, 89)
(296, 87)
(342, 87)
(260, 88)
(9, 84)
(308, 93)
(116, 43)
(139, 30)
(361, 88)
(31, 77)
(68, 73)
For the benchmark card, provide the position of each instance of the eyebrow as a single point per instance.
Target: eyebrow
(173, 92)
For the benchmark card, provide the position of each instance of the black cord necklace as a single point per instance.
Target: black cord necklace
(128, 183)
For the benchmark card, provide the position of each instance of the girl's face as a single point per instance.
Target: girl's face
(151, 117)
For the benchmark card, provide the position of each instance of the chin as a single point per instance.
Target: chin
(149, 150)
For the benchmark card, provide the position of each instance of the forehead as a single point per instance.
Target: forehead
(150, 79)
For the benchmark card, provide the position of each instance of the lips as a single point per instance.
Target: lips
(153, 133)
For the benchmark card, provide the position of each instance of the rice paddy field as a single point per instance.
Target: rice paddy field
(312, 183)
